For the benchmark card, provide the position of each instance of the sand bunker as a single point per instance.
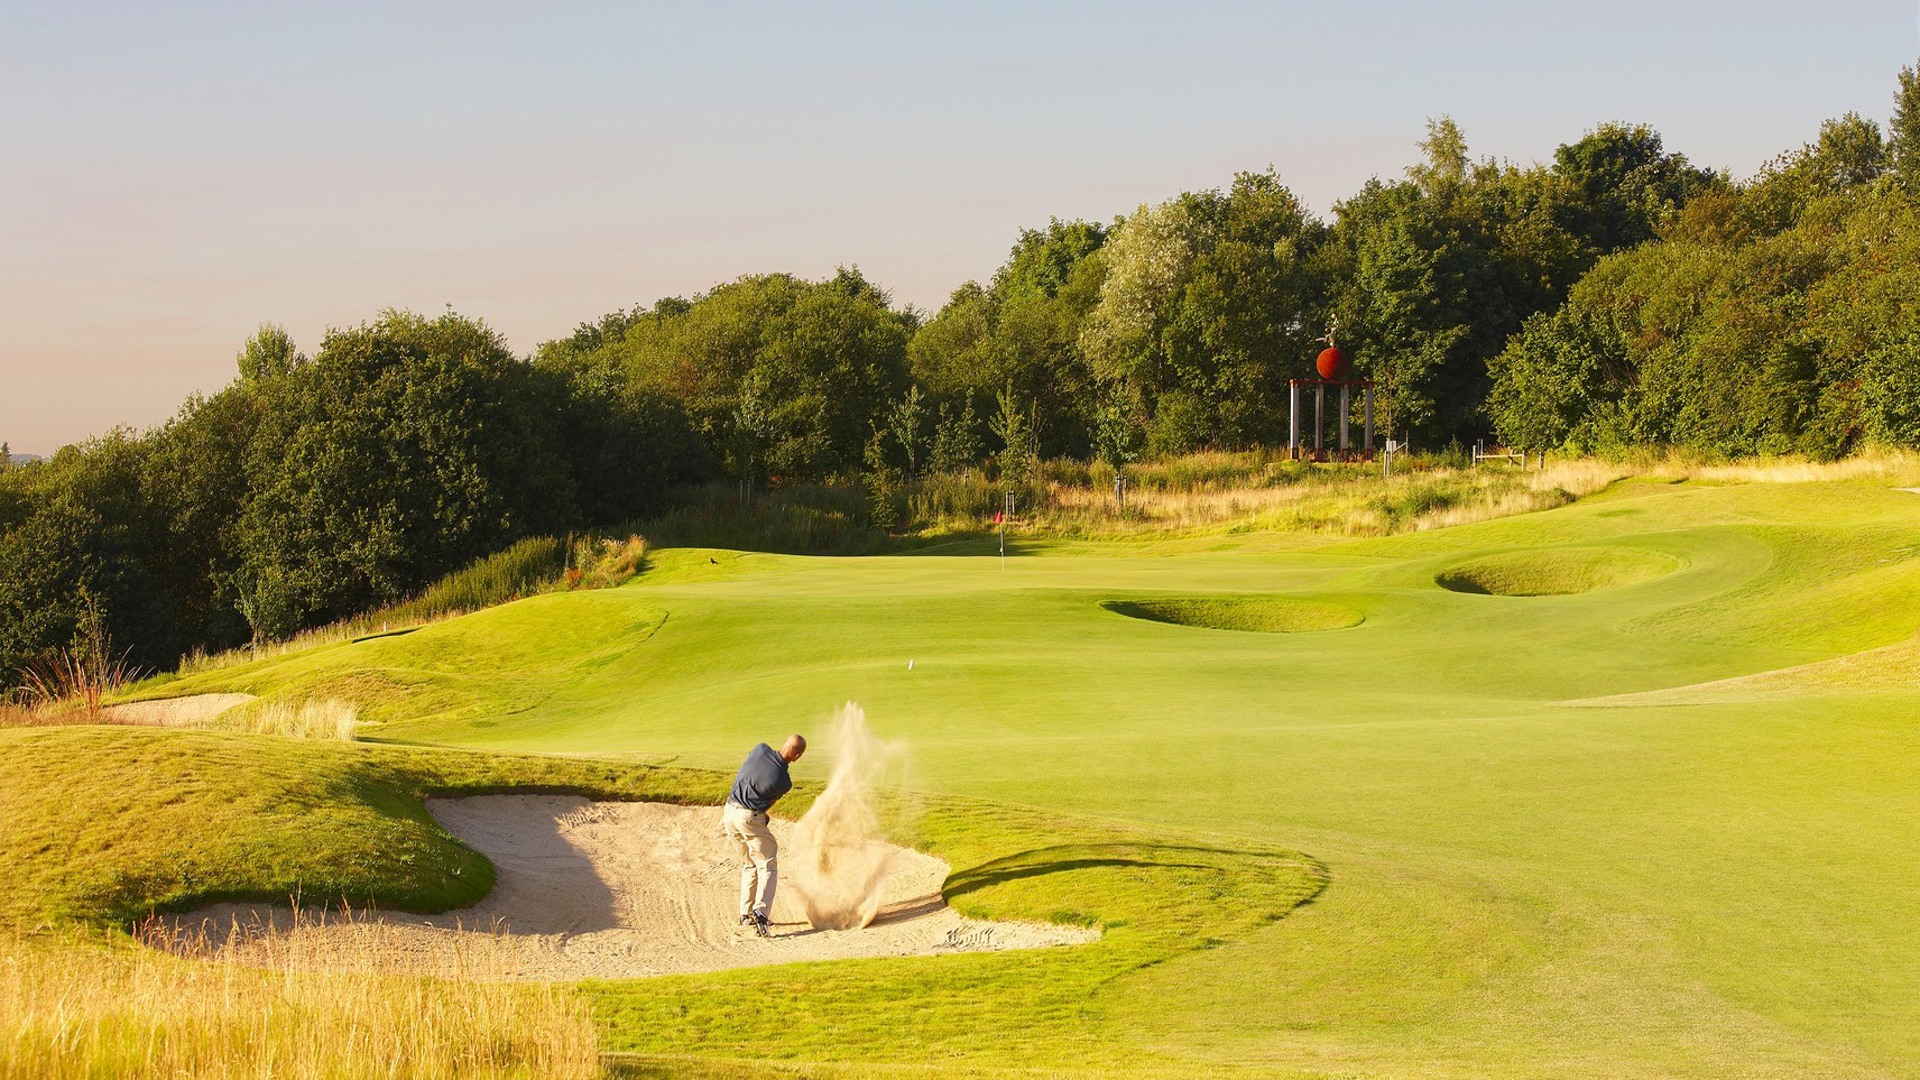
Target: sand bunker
(612, 890)
(190, 711)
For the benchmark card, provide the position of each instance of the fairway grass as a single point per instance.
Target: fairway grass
(1661, 824)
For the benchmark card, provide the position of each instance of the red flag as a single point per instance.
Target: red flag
(996, 517)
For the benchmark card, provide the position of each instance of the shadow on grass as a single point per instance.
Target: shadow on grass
(1067, 858)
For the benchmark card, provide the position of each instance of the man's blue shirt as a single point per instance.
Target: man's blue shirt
(762, 780)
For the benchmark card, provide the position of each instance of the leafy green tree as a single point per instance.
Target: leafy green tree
(406, 448)
(883, 483)
(197, 483)
(1018, 457)
(908, 421)
(1204, 310)
(956, 438)
(1432, 275)
(1850, 152)
(268, 354)
(1903, 130)
(1546, 382)
(1625, 185)
(1023, 328)
(821, 360)
(1117, 438)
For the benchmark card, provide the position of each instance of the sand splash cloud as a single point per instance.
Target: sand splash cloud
(838, 864)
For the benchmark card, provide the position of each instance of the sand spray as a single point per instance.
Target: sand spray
(837, 863)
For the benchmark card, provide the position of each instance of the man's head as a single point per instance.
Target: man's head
(793, 748)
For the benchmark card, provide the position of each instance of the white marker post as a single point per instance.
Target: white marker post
(1005, 513)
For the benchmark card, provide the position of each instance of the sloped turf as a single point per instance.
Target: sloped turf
(1555, 571)
(1529, 875)
(1258, 614)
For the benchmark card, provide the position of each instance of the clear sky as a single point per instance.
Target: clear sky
(171, 175)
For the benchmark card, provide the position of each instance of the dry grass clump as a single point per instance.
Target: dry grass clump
(1520, 492)
(16, 715)
(1897, 466)
(78, 1010)
(330, 719)
(605, 562)
(1345, 501)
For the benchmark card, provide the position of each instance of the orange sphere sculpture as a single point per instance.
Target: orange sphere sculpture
(1332, 363)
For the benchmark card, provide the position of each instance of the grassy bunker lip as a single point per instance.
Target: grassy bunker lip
(1257, 614)
(1564, 571)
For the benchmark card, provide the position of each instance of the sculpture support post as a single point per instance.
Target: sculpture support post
(1319, 421)
(1293, 420)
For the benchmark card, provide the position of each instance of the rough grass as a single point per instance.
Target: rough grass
(1263, 614)
(1556, 571)
(78, 1009)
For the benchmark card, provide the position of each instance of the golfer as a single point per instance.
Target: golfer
(762, 780)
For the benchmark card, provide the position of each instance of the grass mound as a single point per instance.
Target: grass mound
(1556, 571)
(105, 824)
(1262, 614)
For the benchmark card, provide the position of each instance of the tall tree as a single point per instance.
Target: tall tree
(1903, 130)
(407, 447)
(269, 353)
(1205, 311)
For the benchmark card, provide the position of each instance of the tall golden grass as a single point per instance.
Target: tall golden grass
(1892, 465)
(1348, 504)
(80, 1009)
(330, 719)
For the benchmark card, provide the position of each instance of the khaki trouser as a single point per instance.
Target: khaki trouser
(759, 857)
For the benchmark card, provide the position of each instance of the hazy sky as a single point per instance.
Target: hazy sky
(171, 175)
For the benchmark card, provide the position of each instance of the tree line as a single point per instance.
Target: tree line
(1616, 296)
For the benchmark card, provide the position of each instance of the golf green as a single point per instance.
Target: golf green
(1544, 857)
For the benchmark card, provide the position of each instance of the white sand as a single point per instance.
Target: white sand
(187, 711)
(613, 890)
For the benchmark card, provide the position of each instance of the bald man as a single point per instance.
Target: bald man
(760, 783)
